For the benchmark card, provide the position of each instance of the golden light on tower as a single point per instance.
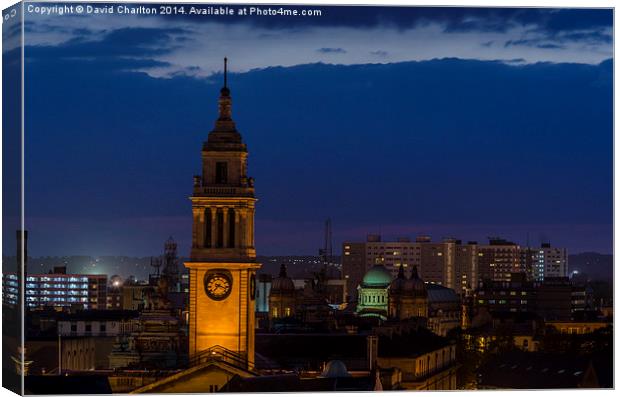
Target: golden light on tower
(222, 266)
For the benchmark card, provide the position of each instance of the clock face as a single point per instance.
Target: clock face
(218, 285)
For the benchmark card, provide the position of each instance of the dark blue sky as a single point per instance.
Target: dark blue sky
(515, 139)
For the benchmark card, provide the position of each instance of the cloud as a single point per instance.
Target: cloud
(550, 46)
(126, 49)
(561, 39)
(330, 50)
(190, 46)
(379, 53)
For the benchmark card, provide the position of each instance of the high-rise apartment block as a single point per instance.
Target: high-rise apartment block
(451, 262)
(549, 262)
(499, 259)
(58, 290)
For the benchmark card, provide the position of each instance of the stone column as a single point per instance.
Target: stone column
(237, 228)
(242, 228)
(195, 226)
(200, 232)
(251, 228)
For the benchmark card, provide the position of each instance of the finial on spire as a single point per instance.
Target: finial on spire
(225, 72)
(401, 271)
(225, 103)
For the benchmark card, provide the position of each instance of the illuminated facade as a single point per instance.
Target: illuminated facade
(548, 262)
(84, 291)
(373, 294)
(451, 263)
(222, 266)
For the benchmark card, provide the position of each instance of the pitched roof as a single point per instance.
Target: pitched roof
(410, 344)
(311, 351)
(438, 293)
(521, 370)
(293, 383)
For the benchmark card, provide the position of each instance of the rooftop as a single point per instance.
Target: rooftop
(521, 370)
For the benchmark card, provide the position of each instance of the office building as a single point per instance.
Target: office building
(549, 262)
(59, 290)
(498, 260)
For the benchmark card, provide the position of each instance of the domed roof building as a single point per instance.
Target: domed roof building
(378, 275)
(282, 296)
(335, 369)
(400, 284)
(418, 285)
(282, 283)
(373, 292)
(408, 297)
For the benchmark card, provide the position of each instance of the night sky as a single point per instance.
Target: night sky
(463, 123)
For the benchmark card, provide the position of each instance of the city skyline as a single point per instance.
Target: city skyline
(442, 198)
(469, 147)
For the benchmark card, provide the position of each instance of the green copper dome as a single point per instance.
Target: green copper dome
(377, 276)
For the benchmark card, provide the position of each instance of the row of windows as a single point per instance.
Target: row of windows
(503, 301)
(65, 279)
(55, 299)
(373, 299)
(60, 293)
(61, 286)
(89, 327)
(276, 313)
(512, 293)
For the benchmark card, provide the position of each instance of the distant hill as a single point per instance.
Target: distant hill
(297, 266)
(596, 266)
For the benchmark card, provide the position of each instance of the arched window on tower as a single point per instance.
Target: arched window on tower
(231, 228)
(208, 228)
(221, 172)
(220, 228)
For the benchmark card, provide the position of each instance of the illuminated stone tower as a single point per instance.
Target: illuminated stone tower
(222, 266)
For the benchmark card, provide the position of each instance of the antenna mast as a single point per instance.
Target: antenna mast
(226, 72)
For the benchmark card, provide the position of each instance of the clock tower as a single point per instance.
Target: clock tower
(222, 265)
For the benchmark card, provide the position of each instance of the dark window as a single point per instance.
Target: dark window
(73, 327)
(220, 228)
(102, 327)
(231, 228)
(88, 328)
(221, 172)
(208, 227)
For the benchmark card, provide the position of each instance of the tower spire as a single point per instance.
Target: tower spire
(225, 72)
(401, 271)
(414, 273)
(225, 102)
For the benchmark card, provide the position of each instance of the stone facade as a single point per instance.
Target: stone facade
(222, 265)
